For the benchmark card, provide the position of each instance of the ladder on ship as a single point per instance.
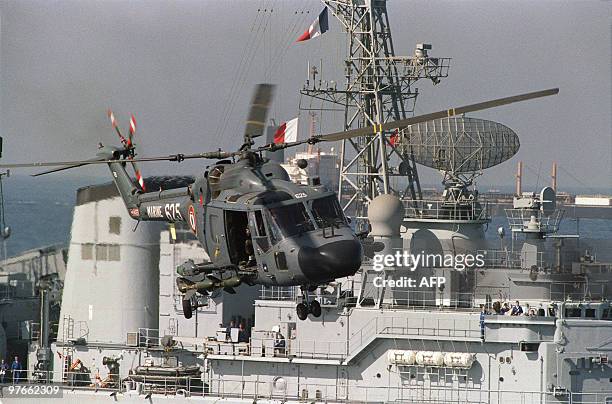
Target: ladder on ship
(67, 349)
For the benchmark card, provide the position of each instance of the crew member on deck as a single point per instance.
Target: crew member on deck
(517, 310)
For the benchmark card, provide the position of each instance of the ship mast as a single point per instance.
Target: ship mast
(379, 88)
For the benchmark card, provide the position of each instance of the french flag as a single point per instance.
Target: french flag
(317, 28)
(286, 132)
(395, 138)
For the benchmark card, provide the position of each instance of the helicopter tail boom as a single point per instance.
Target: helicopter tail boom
(164, 205)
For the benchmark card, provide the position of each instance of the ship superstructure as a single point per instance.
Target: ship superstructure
(402, 347)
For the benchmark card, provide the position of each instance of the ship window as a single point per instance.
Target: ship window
(101, 252)
(327, 211)
(108, 252)
(86, 251)
(114, 225)
(291, 219)
(114, 252)
(589, 313)
(573, 312)
(529, 346)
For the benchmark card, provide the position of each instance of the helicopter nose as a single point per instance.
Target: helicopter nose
(330, 261)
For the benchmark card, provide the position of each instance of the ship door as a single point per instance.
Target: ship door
(236, 225)
(342, 385)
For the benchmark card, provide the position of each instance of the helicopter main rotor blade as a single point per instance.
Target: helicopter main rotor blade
(256, 120)
(173, 157)
(402, 123)
(256, 123)
(54, 170)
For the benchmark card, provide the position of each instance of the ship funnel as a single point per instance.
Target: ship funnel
(108, 255)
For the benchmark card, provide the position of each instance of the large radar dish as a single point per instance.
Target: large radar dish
(460, 145)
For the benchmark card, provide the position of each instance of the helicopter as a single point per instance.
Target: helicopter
(257, 226)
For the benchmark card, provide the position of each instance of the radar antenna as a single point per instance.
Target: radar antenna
(460, 148)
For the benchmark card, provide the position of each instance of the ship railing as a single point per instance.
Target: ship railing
(298, 348)
(287, 293)
(416, 299)
(80, 377)
(293, 294)
(414, 327)
(443, 210)
(6, 292)
(276, 389)
(87, 380)
(521, 218)
(511, 259)
(339, 389)
(577, 291)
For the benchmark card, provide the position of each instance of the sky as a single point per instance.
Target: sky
(186, 69)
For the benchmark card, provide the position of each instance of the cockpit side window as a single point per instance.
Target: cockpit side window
(259, 222)
(291, 220)
(327, 211)
(259, 231)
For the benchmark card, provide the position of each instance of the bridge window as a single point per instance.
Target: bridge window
(589, 313)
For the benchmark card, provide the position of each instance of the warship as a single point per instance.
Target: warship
(528, 321)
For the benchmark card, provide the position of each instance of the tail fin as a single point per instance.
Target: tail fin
(125, 185)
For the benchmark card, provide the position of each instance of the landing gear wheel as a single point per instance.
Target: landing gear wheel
(315, 308)
(302, 311)
(187, 311)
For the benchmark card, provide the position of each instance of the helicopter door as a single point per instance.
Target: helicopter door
(236, 225)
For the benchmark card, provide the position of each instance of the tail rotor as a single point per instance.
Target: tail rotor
(128, 145)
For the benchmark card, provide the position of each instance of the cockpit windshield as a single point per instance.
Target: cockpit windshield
(291, 219)
(327, 211)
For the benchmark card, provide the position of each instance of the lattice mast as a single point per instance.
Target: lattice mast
(379, 88)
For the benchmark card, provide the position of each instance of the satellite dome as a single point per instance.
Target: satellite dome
(385, 213)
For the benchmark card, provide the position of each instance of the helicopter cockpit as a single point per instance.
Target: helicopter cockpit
(302, 216)
(309, 233)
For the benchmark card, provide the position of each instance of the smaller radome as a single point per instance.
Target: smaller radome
(385, 213)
